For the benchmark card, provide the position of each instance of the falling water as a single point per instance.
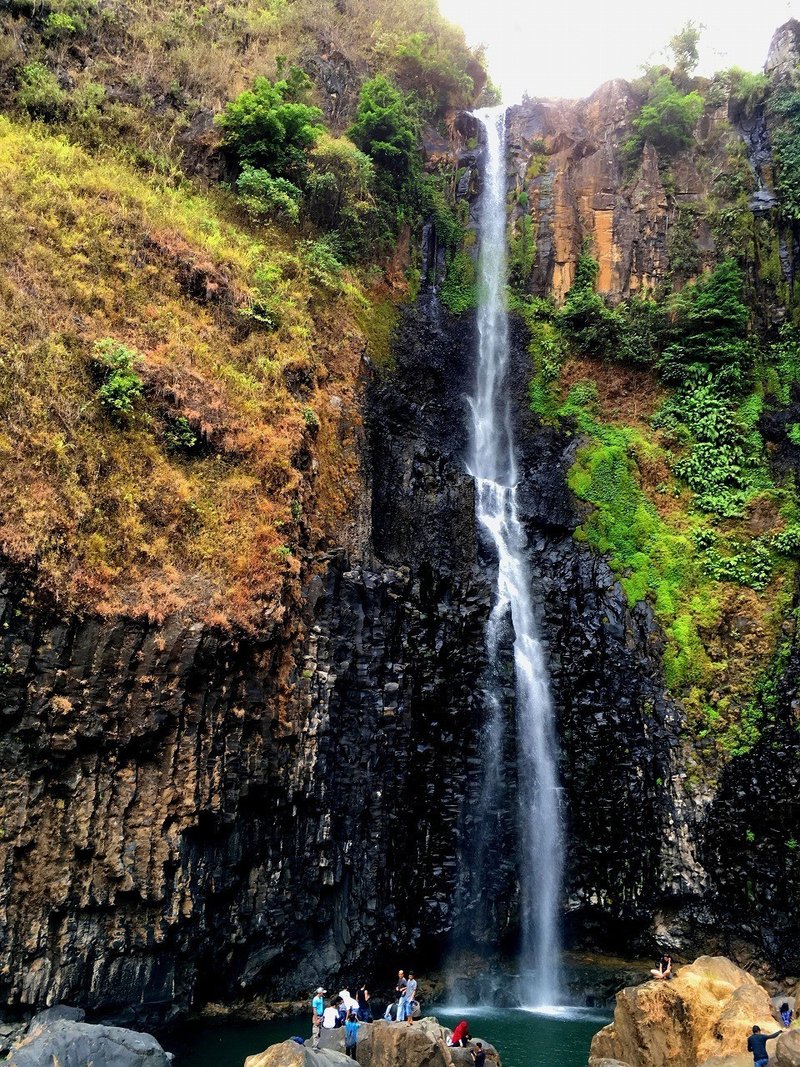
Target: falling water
(493, 465)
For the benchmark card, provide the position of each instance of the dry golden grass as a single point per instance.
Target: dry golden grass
(111, 516)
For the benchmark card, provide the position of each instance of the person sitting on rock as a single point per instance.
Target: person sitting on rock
(663, 969)
(757, 1044)
(786, 1014)
(460, 1036)
(478, 1055)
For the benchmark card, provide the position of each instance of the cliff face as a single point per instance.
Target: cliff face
(190, 812)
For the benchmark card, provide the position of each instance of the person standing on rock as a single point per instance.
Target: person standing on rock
(351, 1035)
(757, 1044)
(400, 989)
(411, 995)
(364, 1010)
(317, 1009)
(478, 1055)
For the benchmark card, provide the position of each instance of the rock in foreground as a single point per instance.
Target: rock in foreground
(380, 1044)
(704, 1015)
(60, 1036)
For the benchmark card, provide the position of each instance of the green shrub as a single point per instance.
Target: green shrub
(321, 259)
(266, 197)
(40, 94)
(592, 327)
(386, 128)
(272, 126)
(59, 25)
(784, 114)
(179, 435)
(458, 290)
(122, 388)
(682, 247)
(666, 120)
(441, 76)
(339, 193)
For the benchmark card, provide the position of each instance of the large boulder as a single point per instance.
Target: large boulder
(705, 1013)
(290, 1054)
(59, 1036)
(380, 1044)
(787, 1049)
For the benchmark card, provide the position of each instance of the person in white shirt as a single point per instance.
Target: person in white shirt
(411, 995)
(330, 1018)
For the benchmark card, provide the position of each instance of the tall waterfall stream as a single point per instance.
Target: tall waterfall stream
(492, 463)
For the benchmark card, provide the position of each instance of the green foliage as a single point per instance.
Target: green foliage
(745, 91)
(265, 197)
(521, 248)
(321, 259)
(339, 194)
(458, 290)
(441, 76)
(387, 128)
(779, 373)
(684, 49)
(271, 126)
(645, 329)
(122, 388)
(666, 120)
(682, 247)
(179, 435)
(40, 94)
(585, 320)
(59, 25)
(784, 113)
(712, 323)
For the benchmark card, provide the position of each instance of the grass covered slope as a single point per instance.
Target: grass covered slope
(179, 480)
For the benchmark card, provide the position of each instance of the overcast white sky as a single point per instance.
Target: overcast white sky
(569, 47)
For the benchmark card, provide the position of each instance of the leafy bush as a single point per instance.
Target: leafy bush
(322, 261)
(339, 193)
(272, 126)
(666, 120)
(458, 290)
(40, 94)
(586, 321)
(682, 247)
(521, 248)
(386, 128)
(59, 25)
(266, 197)
(122, 388)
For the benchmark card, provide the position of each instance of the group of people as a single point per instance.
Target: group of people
(341, 1010)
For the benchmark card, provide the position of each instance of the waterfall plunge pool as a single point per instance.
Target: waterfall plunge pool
(524, 1038)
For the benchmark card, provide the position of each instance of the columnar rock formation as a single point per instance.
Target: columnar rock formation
(189, 811)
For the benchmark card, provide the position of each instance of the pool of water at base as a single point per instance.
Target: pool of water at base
(558, 1037)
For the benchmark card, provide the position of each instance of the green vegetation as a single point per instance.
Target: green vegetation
(271, 126)
(784, 110)
(666, 120)
(671, 489)
(122, 387)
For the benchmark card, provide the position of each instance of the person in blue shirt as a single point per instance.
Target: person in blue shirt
(351, 1034)
(317, 1008)
(757, 1044)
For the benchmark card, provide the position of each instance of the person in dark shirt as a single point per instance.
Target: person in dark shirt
(757, 1044)
(478, 1055)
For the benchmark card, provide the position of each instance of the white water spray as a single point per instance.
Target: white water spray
(492, 464)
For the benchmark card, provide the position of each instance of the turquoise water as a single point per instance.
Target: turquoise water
(523, 1038)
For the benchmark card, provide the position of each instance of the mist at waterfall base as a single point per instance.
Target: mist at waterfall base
(492, 463)
(523, 1038)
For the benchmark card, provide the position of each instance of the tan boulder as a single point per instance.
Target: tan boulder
(787, 1049)
(705, 1012)
(290, 1054)
(400, 1045)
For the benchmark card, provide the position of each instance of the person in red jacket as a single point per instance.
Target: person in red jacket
(460, 1035)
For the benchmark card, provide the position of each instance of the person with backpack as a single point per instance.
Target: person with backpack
(351, 1035)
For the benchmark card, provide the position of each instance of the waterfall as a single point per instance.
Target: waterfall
(492, 463)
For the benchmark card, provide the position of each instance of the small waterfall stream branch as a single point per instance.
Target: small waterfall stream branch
(492, 463)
